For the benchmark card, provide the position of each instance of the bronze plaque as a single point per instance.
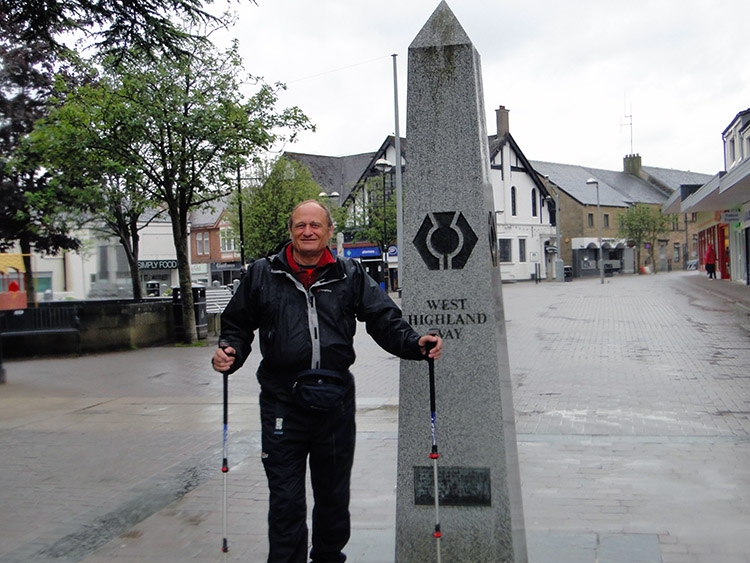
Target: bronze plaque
(457, 486)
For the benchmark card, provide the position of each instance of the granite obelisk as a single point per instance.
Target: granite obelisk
(451, 281)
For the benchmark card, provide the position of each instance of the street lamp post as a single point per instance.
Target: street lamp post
(328, 197)
(589, 182)
(383, 166)
(559, 264)
(242, 228)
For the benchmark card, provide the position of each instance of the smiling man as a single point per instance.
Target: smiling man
(305, 303)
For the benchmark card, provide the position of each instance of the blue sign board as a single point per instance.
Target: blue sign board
(362, 252)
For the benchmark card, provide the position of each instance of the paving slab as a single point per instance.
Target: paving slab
(632, 403)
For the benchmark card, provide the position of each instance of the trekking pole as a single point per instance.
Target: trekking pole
(224, 463)
(434, 455)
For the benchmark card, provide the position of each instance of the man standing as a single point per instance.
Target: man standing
(305, 304)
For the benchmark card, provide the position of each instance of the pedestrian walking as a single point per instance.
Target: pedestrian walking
(710, 261)
(305, 302)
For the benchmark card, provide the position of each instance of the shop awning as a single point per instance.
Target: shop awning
(8, 261)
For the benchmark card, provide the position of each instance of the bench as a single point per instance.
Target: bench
(39, 321)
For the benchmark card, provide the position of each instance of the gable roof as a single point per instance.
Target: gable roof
(616, 188)
(334, 173)
(209, 215)
(572, 178)
(743, 116)
(673, 179)
(498, 142)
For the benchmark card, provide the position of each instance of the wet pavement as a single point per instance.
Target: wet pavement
(632, 402)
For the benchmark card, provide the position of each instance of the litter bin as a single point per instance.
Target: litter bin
(608, 270)
(568, 273)
(199, 306)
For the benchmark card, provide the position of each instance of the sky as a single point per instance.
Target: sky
(586, 81)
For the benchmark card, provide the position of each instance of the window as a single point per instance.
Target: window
(202, 245)
(227, 240)
(676, 252)
(513, 201)
(522, 250)
(591, 219)
(504, 249)
(606, 220)
(533, 202)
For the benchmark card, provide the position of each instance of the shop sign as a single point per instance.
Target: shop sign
(157, 264)
(730, 216)
(216, 266)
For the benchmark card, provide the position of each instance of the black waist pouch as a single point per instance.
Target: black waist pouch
(321, 390)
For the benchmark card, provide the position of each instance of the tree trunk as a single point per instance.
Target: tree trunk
(186, 290)
(137, 293)
(28, 275)
(133, 258)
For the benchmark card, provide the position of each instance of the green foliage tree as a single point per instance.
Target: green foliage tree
(79, 143)
(116, 26)
(642, 224)
(266, 208)
(181, 126)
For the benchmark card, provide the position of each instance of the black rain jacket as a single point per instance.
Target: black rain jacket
(303, 329)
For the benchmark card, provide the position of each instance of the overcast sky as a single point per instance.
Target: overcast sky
(570, 72)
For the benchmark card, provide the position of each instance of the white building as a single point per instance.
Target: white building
(100, 268)
(523, 208)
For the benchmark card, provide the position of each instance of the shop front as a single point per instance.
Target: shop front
(226, 272)
(715, 233)
(156, 276)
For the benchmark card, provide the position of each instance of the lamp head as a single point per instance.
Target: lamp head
(382, 165)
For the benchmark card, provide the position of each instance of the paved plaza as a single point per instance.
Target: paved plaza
(632, 403)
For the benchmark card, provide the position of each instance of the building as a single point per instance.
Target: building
(525, 211)
(617, 192)
(722, 205)
(526, 194)
(100, 269)
(214, 249)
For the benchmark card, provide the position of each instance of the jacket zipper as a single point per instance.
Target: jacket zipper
(312, 315)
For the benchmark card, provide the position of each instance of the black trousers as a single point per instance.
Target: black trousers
(328, 440)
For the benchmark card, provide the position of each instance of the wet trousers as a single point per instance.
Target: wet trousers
(327, 439)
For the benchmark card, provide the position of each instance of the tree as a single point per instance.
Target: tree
(642, 225)
(182, 126)
(79, 142)
(35, 210)
(266, 208)
(116, 26)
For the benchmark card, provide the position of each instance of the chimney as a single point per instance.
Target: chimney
(631, 164)
(503, 124)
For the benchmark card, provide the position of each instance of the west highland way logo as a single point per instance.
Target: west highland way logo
(445, 240)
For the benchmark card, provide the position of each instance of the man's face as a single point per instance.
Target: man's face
(310, 231)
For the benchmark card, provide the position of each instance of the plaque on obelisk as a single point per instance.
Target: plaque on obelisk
(451, 282)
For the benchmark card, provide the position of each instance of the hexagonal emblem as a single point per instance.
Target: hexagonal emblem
(445, 240)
